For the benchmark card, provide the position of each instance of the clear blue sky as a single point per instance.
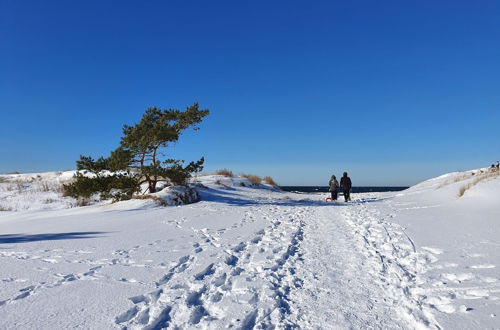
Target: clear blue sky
(393, 92)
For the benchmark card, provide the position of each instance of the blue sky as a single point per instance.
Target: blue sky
(393, 92)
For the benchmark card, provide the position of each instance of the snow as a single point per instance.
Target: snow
(35, 191)
(253, 257)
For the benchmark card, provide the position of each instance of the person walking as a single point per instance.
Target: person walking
(333, 184)
(346, 185)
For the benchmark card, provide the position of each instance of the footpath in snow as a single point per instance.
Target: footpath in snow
(257, 258)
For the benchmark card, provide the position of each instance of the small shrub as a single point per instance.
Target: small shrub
(254, 179)
(224, 172)
(270, 181)
(118, 187)
(243, 184)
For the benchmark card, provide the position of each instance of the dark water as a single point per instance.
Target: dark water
(320, 189)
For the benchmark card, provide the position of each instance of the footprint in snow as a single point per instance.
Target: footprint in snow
(486, 266)
(204, 273)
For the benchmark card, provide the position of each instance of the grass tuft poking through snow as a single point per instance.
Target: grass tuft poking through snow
(224, 172)
(254, 179)
(269, 180)
(491, 174)
(157, 199)
(458, 178)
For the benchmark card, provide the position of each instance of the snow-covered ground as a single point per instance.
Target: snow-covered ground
(254, 257)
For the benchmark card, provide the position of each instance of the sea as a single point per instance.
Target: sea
(323, 189)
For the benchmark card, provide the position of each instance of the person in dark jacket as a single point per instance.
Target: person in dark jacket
(333, 184)
(346, 185)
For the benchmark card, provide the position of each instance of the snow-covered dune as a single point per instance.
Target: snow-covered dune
(35, 191)
(44, 191)
(454, 221)
(254, 257)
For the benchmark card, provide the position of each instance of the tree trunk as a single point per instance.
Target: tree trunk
(152, 186)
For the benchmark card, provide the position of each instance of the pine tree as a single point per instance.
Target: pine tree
(143, 144)
(94, 177)
(139, 158)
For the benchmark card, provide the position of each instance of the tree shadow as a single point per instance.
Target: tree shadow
(24, 238)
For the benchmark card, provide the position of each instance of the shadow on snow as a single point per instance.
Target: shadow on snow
(24, 238)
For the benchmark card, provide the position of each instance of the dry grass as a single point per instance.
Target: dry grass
(143, 197)
(467, 175)
(269, 180)
(456, 179)
(157, 199)
(484, 175)
(45, 187)
(224, 172)
(254, 179)
(3, 208)
(20, 188)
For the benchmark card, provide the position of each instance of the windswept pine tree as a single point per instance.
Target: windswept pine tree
(142, 145)
(140, 158)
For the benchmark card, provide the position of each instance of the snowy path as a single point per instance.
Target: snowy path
(314, 266)
(358, 272)
(338, 278)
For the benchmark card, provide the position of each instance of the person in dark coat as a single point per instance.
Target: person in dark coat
(333, 184)
(346, 185)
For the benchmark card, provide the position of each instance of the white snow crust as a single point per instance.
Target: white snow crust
(250, 257)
